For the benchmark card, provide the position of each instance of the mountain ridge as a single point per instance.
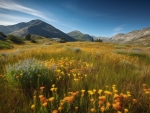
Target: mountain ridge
(35, 27)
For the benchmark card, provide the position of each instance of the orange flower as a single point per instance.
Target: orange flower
(92, 110)
(51, 99)
(55, 111)
(102, 109)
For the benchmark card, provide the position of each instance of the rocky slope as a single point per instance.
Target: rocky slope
(131, 36)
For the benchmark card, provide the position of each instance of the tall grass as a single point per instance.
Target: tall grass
(81, 78)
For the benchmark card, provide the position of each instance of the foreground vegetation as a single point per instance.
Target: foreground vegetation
(79, 77)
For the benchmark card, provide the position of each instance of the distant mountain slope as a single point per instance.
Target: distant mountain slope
(36, 27)
(131, 36)
(104, 39)
(11, 28)
(80, 36)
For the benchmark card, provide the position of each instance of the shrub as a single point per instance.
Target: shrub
(28, 37)
(30, 74)
(15, 39)
(5, 45)
(33, 41)
(77, 49)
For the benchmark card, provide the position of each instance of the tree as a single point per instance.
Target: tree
(28, 37)
(92, 39)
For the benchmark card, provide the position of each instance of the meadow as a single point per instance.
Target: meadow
(75, 77)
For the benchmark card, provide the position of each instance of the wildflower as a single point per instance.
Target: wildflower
(116, 106)
(100, 102)
(102, 98)
(106, 92)
(32, 106)
(40, 96)
(41, 88)
(102, 109)
(55, 111)
(44, 104)
(69, 99)
(92, 110)
(92, 100)
(108, 104)
(90, 92)
(82, 91)
(51, 99)
(53, 85)
(100, 91)
(60, 109)
(52, 89)
(115, 91)
(94, 90)
(147, 92)
(17, 77)
(125, 110)
(119, 112)
(134, 100)
(76, 108)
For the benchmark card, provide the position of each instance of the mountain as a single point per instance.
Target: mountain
(2, 36)
(80, 36)
(104, 39)
(35, 27)
(134, 36)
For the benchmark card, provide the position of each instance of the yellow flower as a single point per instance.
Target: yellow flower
(52, 89)
(102, 109)
(125, 110)
(53, 85)
(44, 104)
(94, 90)
(82, 91)
(40, 96)
(90, 92)
(92, 110)
(100, 91)
(60, 108)
(51, 99)
(32, 106)
(108, 104)
(147, 92)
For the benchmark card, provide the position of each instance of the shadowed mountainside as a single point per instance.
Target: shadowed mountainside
(35, 27)
(80, 36)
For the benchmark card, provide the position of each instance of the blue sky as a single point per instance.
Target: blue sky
(94, 17)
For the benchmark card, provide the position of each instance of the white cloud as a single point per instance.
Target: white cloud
(9, 5)
(118, 29)
(12, 19)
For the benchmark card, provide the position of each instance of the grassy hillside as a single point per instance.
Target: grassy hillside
(80, 77)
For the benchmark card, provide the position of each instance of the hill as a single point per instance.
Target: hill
(35, 27)
(80, 36)
(135, 37)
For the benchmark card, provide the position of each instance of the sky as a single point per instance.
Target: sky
(95, 17)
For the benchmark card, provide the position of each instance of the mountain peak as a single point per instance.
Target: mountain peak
(35, 27)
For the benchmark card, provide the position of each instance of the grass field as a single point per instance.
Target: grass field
(75, 77)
